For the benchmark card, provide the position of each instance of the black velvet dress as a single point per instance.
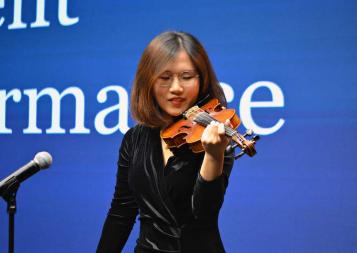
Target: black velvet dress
(178, 209)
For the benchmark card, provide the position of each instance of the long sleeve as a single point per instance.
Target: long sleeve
(208, 196)
(122, 214)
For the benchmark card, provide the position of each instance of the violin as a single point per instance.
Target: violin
(189, 129)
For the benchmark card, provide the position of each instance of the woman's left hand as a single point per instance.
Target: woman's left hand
(214, 142)
(214, 139)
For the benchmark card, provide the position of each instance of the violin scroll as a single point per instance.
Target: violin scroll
(247, 145)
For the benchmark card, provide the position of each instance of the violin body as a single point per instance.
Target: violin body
(190, 129)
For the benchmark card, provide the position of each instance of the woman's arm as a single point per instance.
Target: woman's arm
(214, 142)
(212, 180)
(123, 211)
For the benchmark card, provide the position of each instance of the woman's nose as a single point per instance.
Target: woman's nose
(175, 85)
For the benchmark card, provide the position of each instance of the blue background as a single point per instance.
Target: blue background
(297, 195)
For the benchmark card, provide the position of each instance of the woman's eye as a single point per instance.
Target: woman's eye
(186, 77)
(165, 77)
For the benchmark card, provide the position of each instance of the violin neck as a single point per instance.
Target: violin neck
(203, 118)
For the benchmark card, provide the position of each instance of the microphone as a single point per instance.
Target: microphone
(42, 160)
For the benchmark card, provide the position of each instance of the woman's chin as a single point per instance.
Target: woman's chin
(174, 113)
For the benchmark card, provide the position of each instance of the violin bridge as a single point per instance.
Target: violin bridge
(191, 112)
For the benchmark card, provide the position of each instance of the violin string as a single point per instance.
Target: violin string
(205, 118)
(201, 116)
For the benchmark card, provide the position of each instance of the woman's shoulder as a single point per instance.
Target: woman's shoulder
(138, 129)
(138, 132)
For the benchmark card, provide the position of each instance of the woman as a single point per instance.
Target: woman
(177, 193)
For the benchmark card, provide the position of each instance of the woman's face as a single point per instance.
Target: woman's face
(177, 87)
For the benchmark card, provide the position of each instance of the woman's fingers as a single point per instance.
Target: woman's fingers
(214, 139)
(228, 123)
(221, 129)
(214, 132)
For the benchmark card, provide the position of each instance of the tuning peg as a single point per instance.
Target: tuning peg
(239, 155)
(249, 132)
(256, 138)
(231, 147)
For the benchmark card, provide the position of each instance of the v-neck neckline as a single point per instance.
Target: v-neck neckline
(164, 165)
(165, 159)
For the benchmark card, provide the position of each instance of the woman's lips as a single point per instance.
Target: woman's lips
(176, 101)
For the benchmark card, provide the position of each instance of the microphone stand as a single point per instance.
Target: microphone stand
(9, 195)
